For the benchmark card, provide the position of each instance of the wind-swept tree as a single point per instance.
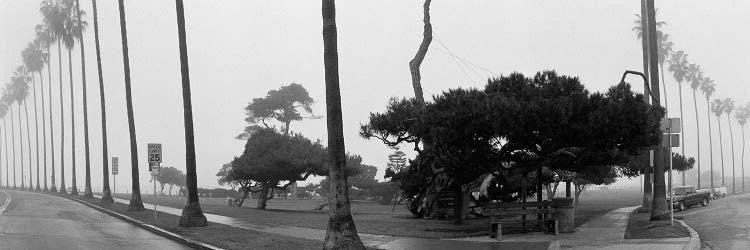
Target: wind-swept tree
(192, 215)
(341, 232)
(285, 105)
(708, 87)
(728, 108)
(695, 77)
(717, 107)
(136, 204)
(106, 192)
(678, 65)
(743, 112)
(33, 59)
(44, 40)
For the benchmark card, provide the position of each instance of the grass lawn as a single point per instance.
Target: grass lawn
(374, 218)
(641, 227)
(214, 234)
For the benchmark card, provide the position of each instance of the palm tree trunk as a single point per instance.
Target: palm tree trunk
(73, 187)
(87, 188)
(721, 151)
(682, 128)
(710, 141)
(136, 204)
(20, 140)
(341, 233)
(192, 215)
(28, 142)
(647, 185)
(731, 140)
(698, 139)
(106, 193)
(7, 168)
(51, 129)
(62, 127)
(659, 209)
(36, 130)
(742, 162)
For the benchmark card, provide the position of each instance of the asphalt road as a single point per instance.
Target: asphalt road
(723, 224)
(39, 221)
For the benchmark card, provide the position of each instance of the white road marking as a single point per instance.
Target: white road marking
(6, 203)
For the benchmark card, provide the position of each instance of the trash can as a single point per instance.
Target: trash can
(563, 210)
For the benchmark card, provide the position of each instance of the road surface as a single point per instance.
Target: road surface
(39, 221)
(723, 224)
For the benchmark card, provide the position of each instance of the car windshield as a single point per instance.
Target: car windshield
(679, 191)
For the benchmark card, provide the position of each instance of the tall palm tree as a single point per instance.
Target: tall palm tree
(3, 113)
(708, 87)
(136, 204)
(717, 107)
(7, 100)
(33, 59)
(341, 233)
(678, 65)
(106, 193)
(695, 77)
(45, 40)
(743, 112)
(54, 15)
(20, 91)
(80, 23)
(192, 215)
(728, 108)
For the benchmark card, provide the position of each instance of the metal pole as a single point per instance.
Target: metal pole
(153, 177)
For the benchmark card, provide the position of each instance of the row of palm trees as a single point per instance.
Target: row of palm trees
(685, 72)
(63, 24)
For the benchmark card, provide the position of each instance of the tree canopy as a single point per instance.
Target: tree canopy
(285, 105)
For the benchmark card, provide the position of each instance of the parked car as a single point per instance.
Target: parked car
(686, 196)
(718, 192)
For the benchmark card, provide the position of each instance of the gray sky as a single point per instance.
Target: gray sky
(241, 49)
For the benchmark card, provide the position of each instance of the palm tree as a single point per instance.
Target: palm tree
(3, 112)
(54, 16)
(33, 58)
(82, 24)
(192, 215)
(106, 193)
(136, 204)
(717, 107)
(44, 39)
(678, 65)
(743, 112)
(7, 100)
(728, 108)
(341, 233)
(20, 91)
(708, 87)
(695, 77)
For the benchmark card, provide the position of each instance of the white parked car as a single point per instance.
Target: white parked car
(718, 192)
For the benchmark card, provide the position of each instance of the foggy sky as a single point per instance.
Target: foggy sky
(239, 50)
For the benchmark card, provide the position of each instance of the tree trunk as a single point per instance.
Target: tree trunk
(647, 187)
(62, 126)
(648, 191)
(698, 139)
(263, 198)
(74, 186)
(87, 188)
(44, 125)
(682, 130)
(721, 151)
(659, 209)
(567, 189)
(106, 192)
(742, 161)
(341, 232)
(731, 141)
(20, 140)
(192, 215)
(28, 142)
(416, 62)
(136, 204)
(710, 142)
(53, 188)
(36, 130)
(7, 168)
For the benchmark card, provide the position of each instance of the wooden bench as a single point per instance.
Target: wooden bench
(498, 211)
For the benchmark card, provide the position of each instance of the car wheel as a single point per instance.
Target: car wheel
(723, 195)
(681, 206)
(705, 202)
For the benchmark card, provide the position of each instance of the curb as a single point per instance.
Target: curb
(164, 233)
(695, 238)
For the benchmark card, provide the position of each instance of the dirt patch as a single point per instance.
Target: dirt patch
(641, 227)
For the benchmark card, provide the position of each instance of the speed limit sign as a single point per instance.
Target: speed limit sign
(154, 153)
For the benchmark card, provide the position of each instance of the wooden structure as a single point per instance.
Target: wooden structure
(507, 212)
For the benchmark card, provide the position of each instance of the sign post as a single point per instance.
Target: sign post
(115, 171)
(671, 127)
(154, 160)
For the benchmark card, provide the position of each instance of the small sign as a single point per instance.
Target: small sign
(154, 152)
(115, 165)
(671, 140)
(153, 167)
(670, 125)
